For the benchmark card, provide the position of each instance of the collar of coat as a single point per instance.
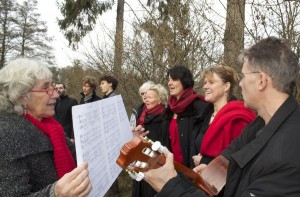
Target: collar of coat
(243, 156)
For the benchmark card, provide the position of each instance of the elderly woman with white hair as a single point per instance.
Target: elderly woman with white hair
(151, 120)
(36, 157)
(141, 107)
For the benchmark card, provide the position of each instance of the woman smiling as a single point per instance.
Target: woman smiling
(225, 118)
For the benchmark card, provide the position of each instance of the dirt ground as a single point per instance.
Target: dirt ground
(125, 184)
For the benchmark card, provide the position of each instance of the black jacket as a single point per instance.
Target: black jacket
(63, 113)
(94, 98)
(264, 161)
(153, 124)
(111, 94)
(189, 123)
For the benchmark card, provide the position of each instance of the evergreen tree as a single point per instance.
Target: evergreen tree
(7, 33)
(79, 17)
(32, 39)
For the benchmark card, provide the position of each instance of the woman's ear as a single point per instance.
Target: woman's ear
(23, 100)
(227, 87)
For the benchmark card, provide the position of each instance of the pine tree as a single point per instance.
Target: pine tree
(32, 39)
(7, 33)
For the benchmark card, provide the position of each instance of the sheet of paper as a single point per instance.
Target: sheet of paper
(101, 128)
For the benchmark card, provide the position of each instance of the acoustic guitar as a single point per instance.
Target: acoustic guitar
(141, 154)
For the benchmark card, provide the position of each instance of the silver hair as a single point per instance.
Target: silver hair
(161, 91)
(275, 57)
(17, 79)
(145, 87)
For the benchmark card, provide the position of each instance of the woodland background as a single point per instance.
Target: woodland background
(189, 32)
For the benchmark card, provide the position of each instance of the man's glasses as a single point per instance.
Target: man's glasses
(241, 75)
(49, 91)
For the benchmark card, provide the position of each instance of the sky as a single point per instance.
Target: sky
(63, 54)
(49, 13)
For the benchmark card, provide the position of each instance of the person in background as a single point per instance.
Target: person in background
(108, 85)
(264, 160)
(226, 117)
(141, 107)
(184, 115)
(63, 109)
(36, 157)
(89, 90)
(151, 120)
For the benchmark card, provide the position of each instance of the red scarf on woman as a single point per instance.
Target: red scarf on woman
(146, 112)
(227, 125)
(63, 159)
(185, 98)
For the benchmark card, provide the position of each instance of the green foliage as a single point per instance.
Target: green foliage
(79, 18)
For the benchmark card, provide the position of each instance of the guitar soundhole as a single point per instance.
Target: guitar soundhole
(149, 152)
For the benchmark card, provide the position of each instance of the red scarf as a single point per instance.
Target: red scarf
(146, 112)
(227, 125)
(185, 98)
(63, 159)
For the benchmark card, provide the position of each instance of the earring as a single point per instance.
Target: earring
(25, 109)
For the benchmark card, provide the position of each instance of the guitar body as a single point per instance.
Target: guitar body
(138, 156)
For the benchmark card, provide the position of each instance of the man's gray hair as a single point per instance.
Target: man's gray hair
(274, 57)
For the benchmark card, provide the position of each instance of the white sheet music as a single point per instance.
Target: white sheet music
(101, 128)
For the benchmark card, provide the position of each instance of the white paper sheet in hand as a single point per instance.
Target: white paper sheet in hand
(100, 129)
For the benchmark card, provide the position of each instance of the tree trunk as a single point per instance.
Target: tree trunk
(234, 32)
(3, 42)
(119, 39)
(234, 35)
(4, 33)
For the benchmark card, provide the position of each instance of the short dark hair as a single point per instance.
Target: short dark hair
(61, 83)
(110, 79)
(182, 73)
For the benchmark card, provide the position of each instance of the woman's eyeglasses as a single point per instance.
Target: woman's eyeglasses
(49, 91)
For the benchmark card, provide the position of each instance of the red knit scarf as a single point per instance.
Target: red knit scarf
(185, 98)
(63, 159)
(146, 112)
